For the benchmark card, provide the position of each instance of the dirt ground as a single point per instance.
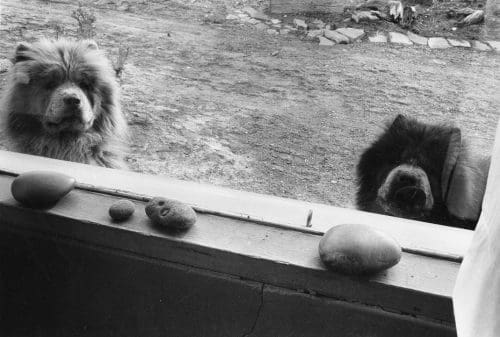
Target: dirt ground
(215, 103)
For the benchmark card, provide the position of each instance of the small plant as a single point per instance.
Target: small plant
(119, 65)
(86, 21)
(57, 27)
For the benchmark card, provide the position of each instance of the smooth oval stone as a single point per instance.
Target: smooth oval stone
(41, 189)
(358, 249)
(121, 210)
(170, 213)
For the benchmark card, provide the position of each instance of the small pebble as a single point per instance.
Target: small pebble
(170, 213)
(358, 249)
(121, 210)
(41, 189)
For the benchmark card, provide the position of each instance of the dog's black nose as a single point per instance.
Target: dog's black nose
(405, 179)
(71, 100)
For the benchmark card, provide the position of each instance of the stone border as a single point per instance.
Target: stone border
(319, 31)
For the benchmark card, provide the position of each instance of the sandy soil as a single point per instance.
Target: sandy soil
(210, 102)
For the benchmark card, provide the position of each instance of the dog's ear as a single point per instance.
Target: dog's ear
(452, 153)
(21, 52)
(399, 123)
(91, 44)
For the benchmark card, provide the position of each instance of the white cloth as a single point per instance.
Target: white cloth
(476, 297)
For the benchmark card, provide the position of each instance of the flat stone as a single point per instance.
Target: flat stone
(232, 17)
(480, 46)
(417, 39)
(495, 45)
(5, 65)
(318, 24)
(399, 38)
(275, 21)
(300, 24)
(284, 31)
(378, 38)
(323, 41)
(336, 36)
(170, 213)
(261, 26)
(438, 43)
(459, 43)
(272, 32)
(315, 33)
(256, 14)
(358, 249)
(41, 189)
(351, 33)
(121, 210)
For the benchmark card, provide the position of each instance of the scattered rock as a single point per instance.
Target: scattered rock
(170, 213)
(417, 39)
(459, 43)
(300, 24)
(495, 45)
(438, 43)
(261, 26)
(214, 18)
(275, 53)
(5, 65)
(41, 189)
(378, 38)
(232, 17)
(364, 16)
(399, 38)
(256, 14)
(337, 37)
(323, 41)
(315, 33)
(272, 32)
(121, 210)
(275, 21)
(480, 46)
(284, 31)
(317, 24)
(473, 19)
(459, 13)
(351, 33)
(358, 249)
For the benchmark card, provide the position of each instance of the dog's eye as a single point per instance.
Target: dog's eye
(85, 85)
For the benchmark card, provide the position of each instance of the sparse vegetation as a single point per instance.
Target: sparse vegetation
(57, 27)
(119, 65)
(86, 21)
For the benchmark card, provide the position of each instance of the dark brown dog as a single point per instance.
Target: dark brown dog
(423, 172)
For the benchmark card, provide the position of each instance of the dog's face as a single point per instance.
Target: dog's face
(402, 173)
(67, 82)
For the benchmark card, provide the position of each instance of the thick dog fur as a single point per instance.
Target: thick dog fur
(423, 172)
(62, 101)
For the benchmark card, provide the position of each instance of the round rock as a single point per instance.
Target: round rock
(170, 213)
(121, 210)
(358, 249)
(41, 189)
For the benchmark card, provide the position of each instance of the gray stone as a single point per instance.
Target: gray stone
(284, 31)
(300, 24)
(378, 38)
(495, 45)
(261, 26)
(256, 14)
(399, 38)
(315, 33)
(5, 65)
(417, 39)
(272, 32)
(318, 24)
(336, 36)
(364, 16)
(351, 33)
(358, 249)
(438, 43)
(459, 43)
(323, 41)
(275, 21)
(480, 46)
(232, 17)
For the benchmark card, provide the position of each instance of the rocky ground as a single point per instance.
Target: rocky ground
(223, 100)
